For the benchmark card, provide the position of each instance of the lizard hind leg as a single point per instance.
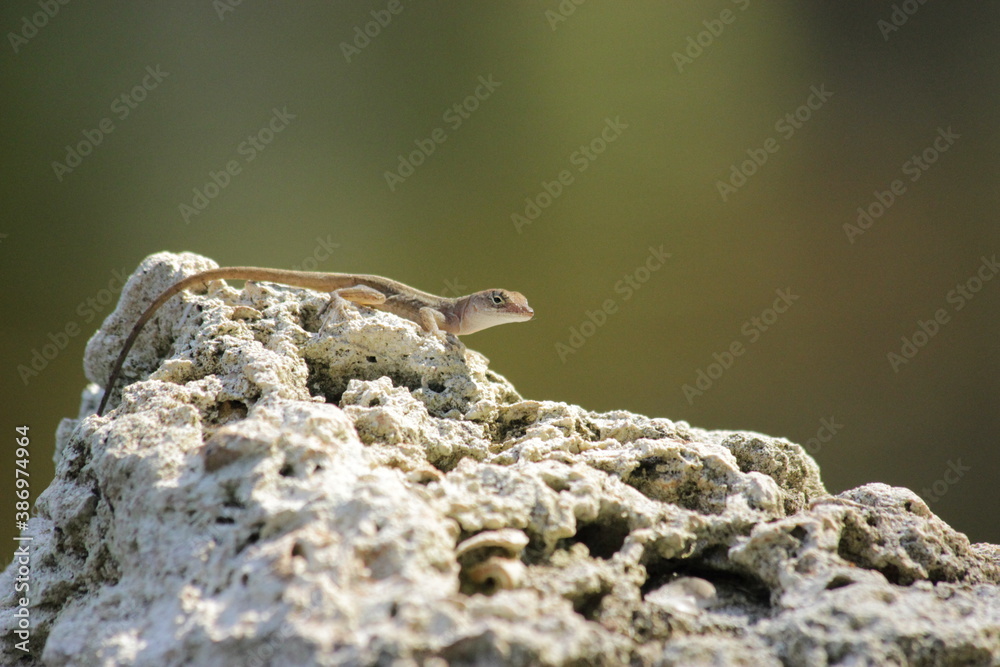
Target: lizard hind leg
(336, 309)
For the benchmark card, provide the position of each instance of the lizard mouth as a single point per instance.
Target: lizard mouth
(521, 313)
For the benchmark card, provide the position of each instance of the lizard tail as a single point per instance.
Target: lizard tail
(300, 278)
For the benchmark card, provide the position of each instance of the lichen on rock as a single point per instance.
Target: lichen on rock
(272, 489)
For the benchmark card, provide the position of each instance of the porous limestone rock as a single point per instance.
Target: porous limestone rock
(270, 489)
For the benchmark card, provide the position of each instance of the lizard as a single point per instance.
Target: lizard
(437, 315)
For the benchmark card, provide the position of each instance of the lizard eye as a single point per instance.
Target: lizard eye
(497, 298)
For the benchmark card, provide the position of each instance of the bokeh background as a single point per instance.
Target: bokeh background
(692, 90)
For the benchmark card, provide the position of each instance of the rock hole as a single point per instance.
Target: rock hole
(742, 590)
(853, 546)
(436, 387)
(589, 604)
(371, 359)
(892, 573)
(298, 551)
(509, 429)
(287, 470)
(938, 575)
(487, 587)
(603, 538)
(252, 538)
(657, 478)
(839, 581)
(557, 484)
(850, 548)
(331, 383)
(587, 430)
(228, 411)
(799, 533)
(224, 520)
(230, 498)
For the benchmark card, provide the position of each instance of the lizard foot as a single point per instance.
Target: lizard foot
(337, 309)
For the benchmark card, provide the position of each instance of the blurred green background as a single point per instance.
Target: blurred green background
(692, 89)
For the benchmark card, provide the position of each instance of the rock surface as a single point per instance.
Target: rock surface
(268, 494)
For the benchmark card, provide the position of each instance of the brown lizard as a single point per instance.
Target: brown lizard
(437, 315)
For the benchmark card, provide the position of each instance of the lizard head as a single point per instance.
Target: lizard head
(492, 307)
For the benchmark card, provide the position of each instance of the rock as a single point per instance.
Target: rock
(266, 493)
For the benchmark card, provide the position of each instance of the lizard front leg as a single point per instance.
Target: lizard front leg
(431, 320)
